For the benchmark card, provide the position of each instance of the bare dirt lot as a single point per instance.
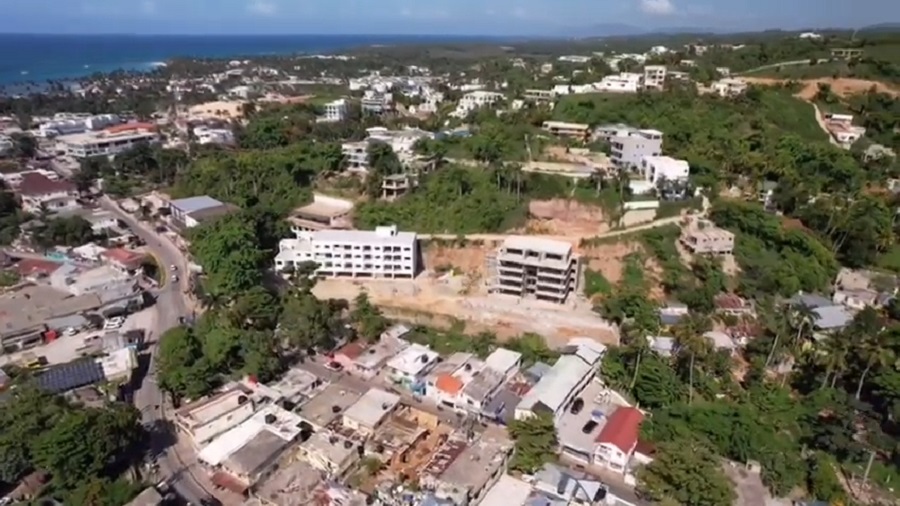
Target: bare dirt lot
(609, 260)
(843, 86)
(566, 218)
(440, 302)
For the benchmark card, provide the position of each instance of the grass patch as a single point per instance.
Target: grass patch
(595, 283)
(890, 259)
(670, 209)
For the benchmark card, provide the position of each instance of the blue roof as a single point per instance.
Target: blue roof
(194, 204)
(65, 377)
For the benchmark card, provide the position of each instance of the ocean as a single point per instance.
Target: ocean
(38, 58)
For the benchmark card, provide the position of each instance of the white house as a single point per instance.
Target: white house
(475, 100)
(657, 168)
(38, 193)
(370, 411)
(336, 110)
(411, 364)
(654, 77)
(506, 362)
(617, 440)
(625, 82)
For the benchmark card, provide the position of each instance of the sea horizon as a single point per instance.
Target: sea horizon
(37, 58)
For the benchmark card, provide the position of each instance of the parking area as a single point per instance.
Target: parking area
(67, 348)
(578, 431)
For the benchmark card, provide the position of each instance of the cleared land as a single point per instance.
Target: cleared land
(842, 86)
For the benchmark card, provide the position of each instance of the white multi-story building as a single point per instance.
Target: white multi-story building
(624, 82)
(657, 168)
(109, 142)
(65, 124)
(356, 154)
(654, 77)
(381, 253)
(206, 135)
(474, 100)
(729, 87)
(336, 110)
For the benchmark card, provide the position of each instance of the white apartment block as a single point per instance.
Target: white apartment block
(658, 168)
(336, 110)
(625, 82)
(534, 268)
(475, 100)
(654, 77)
(401, 141)
(380, 253)
(67, 124)
(106, 143)
(629, 146)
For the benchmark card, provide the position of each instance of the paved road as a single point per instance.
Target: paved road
(170, 305)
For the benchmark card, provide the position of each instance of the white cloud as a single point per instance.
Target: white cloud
(657, 7)
(262, 7)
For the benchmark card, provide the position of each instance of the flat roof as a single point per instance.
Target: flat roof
(528, 243)
(502, 360)
(372, 407)
(328, 405)
(335, 448)
(254, 455)
(366, 237)
(322, 210)
(478, 462)
(193, 204)
(285, 425)
(290, 485)
(597, 407)
(207, 409)
(88, 138)
(553, 388)
(31, 306)
(413, 360)
(508, 491)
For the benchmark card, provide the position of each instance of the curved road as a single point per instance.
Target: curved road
(170, 306)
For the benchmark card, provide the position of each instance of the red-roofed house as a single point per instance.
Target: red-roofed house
(347, 355)
(40, 192)
(618, 439)
(124, 259)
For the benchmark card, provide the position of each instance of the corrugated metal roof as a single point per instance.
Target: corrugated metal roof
(65, 377)
(553, 388)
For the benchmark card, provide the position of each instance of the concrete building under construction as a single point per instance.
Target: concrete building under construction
(534, 268)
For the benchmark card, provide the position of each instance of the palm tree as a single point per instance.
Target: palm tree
(833, 356)
(875, 350)
(636, 335)
(690, 341)
(779, 324)
(802, 320)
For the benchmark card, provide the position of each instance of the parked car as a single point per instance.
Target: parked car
(113, 323)
(589, 426)
(334, 366)
(577, 406)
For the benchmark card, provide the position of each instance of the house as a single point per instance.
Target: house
(830, 319)
(663, 346)
(330, 452)
(579, 131)
(702, 237)
(504, 361)
(193, 211)
(470, 470)
(618, 439)
(721, 341)
(410, 364)
(508, 491)
(478, 392)
(556, 483)
(369, 363)
(40, 193)
(567, 378)
(441, 386)
(732, 304)
(124, 259)
(204, 419)
(729, 87)
(370, 411)
(672, 313)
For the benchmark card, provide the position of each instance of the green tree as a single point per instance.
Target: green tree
(181, 369)
(535, 442)
(367, 318)
(229, 252)
(688, 473)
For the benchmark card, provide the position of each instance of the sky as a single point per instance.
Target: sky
(439, 17)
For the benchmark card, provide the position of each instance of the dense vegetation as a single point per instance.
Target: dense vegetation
(84, 450)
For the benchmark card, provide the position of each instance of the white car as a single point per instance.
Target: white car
(174, 267)
(113, 323)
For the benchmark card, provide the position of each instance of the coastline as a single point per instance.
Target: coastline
(74, 57)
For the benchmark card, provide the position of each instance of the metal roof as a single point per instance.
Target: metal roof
(194, 204)
(65, 377)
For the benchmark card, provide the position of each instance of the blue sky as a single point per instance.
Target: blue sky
(482, 17)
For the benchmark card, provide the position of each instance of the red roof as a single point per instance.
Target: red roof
(31, 266)
(39, 184)
(123, 256)
(622, 428)
(351, 350)
(127, 127)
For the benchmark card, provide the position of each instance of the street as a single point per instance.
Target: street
(148, 398)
